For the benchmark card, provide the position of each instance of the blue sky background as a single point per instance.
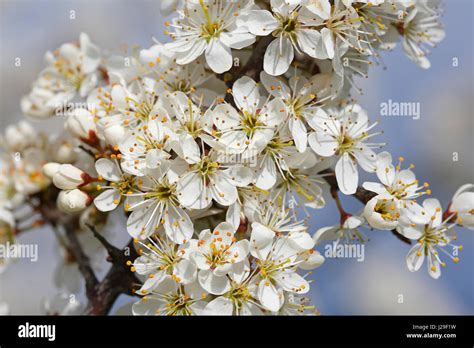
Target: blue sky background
(345, 286)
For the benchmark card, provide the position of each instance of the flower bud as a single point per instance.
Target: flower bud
(73, 201)
(65, 153)
(80, 123)
(69, 177)
(51, 168)
(19, 136)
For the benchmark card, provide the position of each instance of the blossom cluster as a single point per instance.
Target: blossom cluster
(217, 172)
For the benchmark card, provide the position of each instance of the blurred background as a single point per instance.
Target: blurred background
(341, 286)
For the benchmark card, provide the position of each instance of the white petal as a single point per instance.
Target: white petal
(275, 86)
(261, 240)
(328, 43)
(374, 187)
(308, 40)
(218, 56)
(301, 240)
(192, 53)
(274, 113)
(267, 174)
(323, 143)
(190, 148)
(223, 191)
(278, 56)
(225, 117)
(385, 168)
(415, 257)
(237, 40)
(148, 307)
(219, 306)
(246, 94)
(261, 22)
(326, 233)
(347, 175)
(312, 261)
(233, 215)
(185, 271)
(192, 193)
(107, 200)
(292, 281)
(108, 169)
(178, 225)
(213, 284)
(298, 132)
(239, 175)
(142, 222)
(269, 296)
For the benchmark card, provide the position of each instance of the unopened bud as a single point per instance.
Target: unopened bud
(73, 201)
(51, 168)
(69, 177)
(19, 136)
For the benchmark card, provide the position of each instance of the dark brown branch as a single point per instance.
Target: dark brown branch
(75, 248)
(119, 280)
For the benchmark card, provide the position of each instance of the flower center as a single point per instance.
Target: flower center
(388, 213)
(126, 186)
(240, 295)
(163, 191)
(72, 74)
(250, 122)
(288, 25)
(207, 166)
(211, 29)
(178, 304)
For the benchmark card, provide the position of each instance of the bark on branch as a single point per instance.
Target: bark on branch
(119, 279)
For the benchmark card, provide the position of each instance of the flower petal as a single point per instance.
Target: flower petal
(218, 56)
(213, 284)
(278, 56)
(108, 200)
(347, 175)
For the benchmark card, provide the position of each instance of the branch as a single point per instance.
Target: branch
(119, 279)
(75, 248)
